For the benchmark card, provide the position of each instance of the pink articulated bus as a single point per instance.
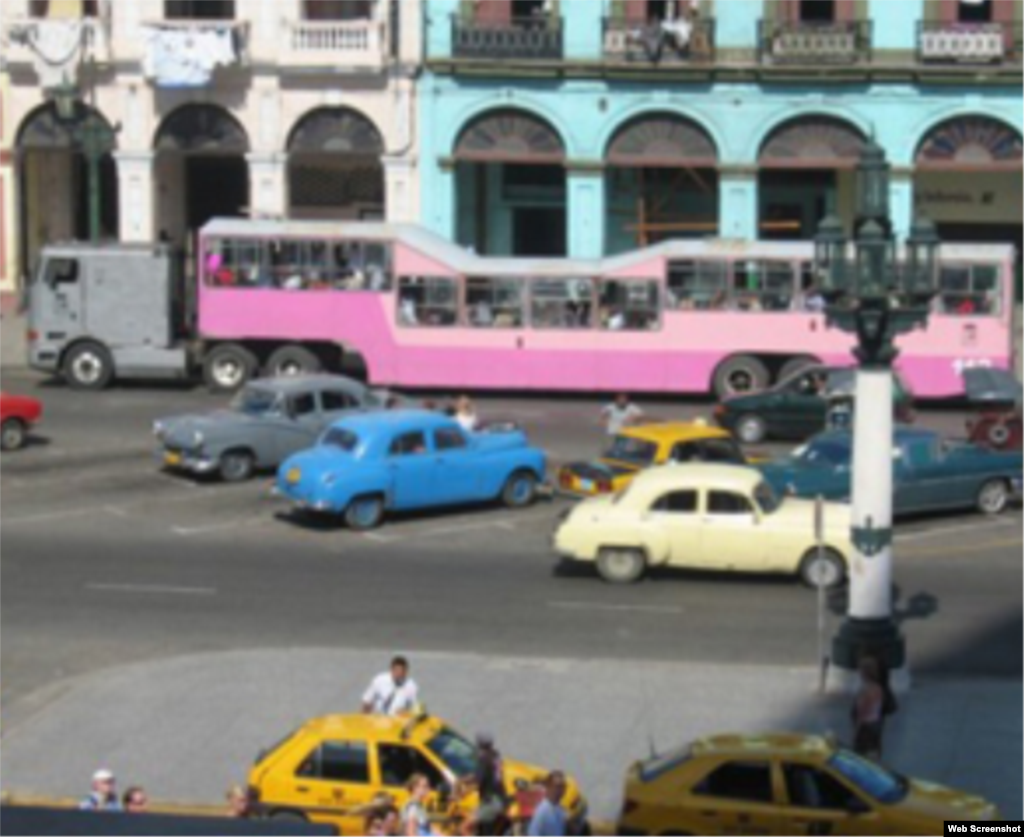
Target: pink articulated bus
(679, 317)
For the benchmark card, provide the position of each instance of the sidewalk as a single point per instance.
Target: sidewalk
(13, 351)
(188, 727)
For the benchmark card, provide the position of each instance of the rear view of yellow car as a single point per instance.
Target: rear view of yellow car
(636, 448)
(782, 783)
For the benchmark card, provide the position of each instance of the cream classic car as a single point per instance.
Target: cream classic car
(715, 517)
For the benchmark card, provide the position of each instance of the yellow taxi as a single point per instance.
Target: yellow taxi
(644, 445)
(331, 768)
(782, 783)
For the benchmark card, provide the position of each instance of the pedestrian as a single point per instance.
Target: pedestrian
(620, 413)
(238, 802)
(490, 786)
(134, 800)
(869, 709)
(104, 793)
(465, 414)
(550, 820)
(415, 821)
(392, 692)
(373, 825)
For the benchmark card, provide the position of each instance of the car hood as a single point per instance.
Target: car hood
(599, 469)
(785, 474)
(182, 428)
(937, 803)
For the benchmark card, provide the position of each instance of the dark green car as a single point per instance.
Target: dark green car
(798, 406)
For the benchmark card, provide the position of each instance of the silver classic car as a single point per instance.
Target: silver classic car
(267, 421)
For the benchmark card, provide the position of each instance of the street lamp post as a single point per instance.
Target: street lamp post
(876, 296)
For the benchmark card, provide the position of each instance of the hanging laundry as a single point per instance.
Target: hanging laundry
(186, 57)
(56, 49)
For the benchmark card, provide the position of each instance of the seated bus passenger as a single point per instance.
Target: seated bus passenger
(481, 315)
(407, 311)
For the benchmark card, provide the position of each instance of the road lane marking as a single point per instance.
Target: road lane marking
(674, 611)
(152, 588)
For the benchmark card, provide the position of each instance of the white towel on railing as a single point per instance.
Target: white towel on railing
(56, 48)
(176, 57)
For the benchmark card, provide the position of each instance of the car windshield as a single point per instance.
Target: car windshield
(870, 777)
(458, 755)
(339, 437)
(766, 498)
(256, 402)
(629, 449)
(822, 453)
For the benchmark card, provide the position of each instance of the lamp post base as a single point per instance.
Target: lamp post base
(879, 638)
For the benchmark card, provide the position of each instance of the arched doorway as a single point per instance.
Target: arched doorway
(661, 182)
(510, 186)
(967, 178)
(806, 171)
(54, 183)
(334, 167)
(201, 170)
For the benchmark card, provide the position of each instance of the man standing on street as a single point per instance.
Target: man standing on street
(620, 413)
(104, 793)
(392, 692)
(549, 820)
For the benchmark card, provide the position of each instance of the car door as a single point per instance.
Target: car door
(413, 471)
(676, 513)
(819, 803)
(299, 426)
(729, 532)
(802, 408)
(738, 797)
(332, 780)
(398, 763)
(457, 478)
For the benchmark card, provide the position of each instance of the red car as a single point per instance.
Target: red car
(18, 413)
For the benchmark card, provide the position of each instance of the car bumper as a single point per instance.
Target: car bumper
(193, 462)
(304, 500)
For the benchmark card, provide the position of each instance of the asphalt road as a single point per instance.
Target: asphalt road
(107, 560)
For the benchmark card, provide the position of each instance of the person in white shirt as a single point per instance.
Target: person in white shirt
(465, 414)
(620, 413)
(392, 692)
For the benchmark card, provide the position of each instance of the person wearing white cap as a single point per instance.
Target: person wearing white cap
(104, 793)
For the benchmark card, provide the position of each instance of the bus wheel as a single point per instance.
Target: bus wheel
(794, 365)
(228, 367)
(292, 360)
(88, 366)
(739, 374)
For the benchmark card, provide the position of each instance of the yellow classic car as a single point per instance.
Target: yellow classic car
(642, 446)
(782, 783)
(331, 768)
(716, 517)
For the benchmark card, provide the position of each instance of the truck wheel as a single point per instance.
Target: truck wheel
(750, 429)
(618, 565)
(236, 465)
(740, 374)
(228, 367)
(12, 434)
(794, 365)
(292, 360)
(88, 366)
(520, 490)
(365, 513)
(993, 497)
(829, 570)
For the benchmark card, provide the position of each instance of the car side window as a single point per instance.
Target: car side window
(728, 502)
(808, 787)
(409, 444)
(303, 405)
(449, 438)
(337, 761)
(720, 450)
(398, 764)
(61, 272)
(750, 781)
(332, 399)
(677, 502)
(685, 452)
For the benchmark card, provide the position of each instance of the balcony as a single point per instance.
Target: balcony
(341, 44)
(55, 46)
(535, 38)
(185, 52)
(667, 42)
(966, 43)
(803, 43)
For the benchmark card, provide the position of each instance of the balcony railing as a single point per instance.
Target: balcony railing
(530, 38)
(341, 43)
(804, 43)
(665, 42)
(965, 43)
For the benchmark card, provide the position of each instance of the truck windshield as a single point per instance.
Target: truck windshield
(256, 402)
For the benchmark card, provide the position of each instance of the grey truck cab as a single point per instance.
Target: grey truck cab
(96, 311)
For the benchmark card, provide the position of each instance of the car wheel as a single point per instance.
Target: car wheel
(520, 490)
(236, 466)
(365, 513)
(12, 434)
(740, 374)
(291, 361)
(228, 367)
(827, 569)
(620, 565)
(750, 429)
(88, 366)
(993, 497)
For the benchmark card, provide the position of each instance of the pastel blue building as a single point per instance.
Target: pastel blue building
(587, 127)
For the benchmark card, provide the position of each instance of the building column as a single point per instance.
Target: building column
(267, 187)
(399, 188)
(901, 201)
(738, 204)
(439, 212)
(585, 209)
(135, 192)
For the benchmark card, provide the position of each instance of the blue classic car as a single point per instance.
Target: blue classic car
(366, 466)
(929, 473)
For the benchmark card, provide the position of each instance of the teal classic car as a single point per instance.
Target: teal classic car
(929, 473)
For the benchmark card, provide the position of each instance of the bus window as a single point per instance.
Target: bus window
(359, 266)
(562, 303)
(629, 305)
(235, 263)
(494, 303)
(762, 285)
(697, 285)
(427, 301)
(969, 289)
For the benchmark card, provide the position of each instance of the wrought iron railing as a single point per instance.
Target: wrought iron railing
(965, 43)
(534, 37)
(667, 42)
(803, 43)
